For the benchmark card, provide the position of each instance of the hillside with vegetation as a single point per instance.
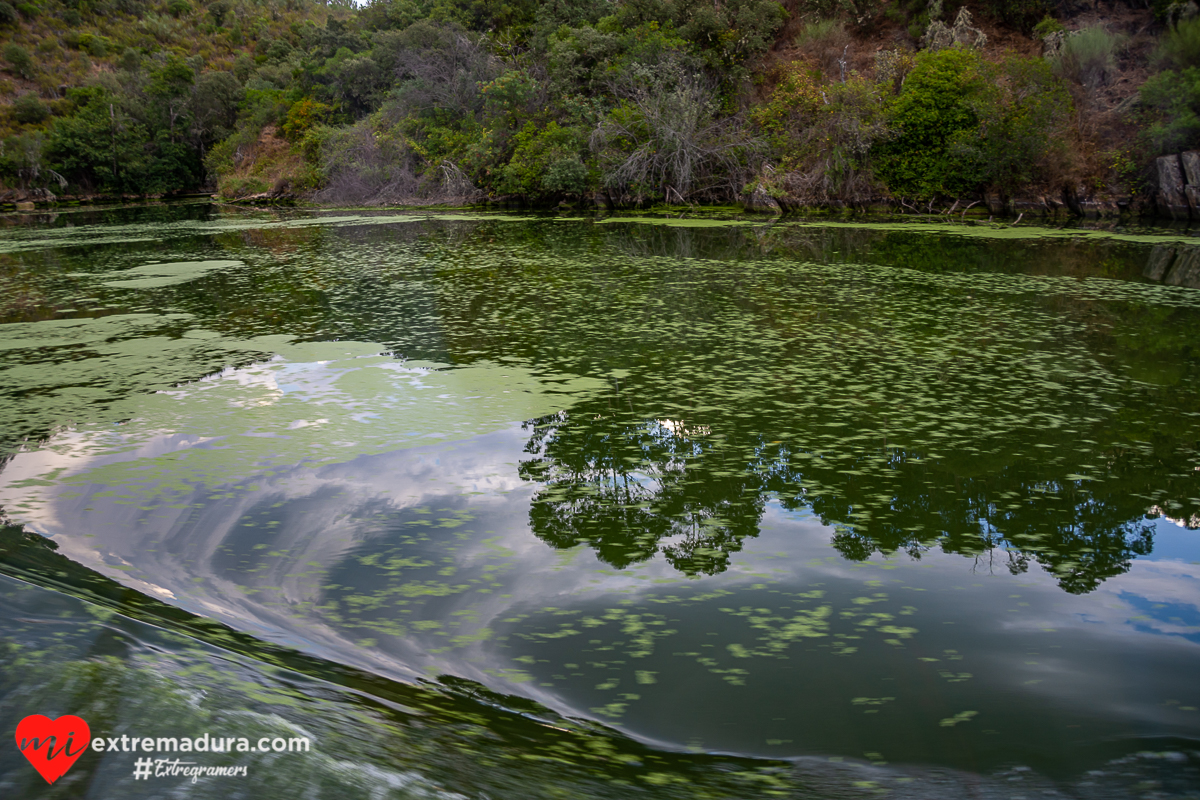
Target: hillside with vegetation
(999, 104)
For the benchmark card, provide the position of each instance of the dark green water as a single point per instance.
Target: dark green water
(527, 507)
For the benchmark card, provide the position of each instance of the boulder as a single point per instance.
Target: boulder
(1185, 271)
(759, 201)
(1171, 199)
(1160, 262)
(1190, 161)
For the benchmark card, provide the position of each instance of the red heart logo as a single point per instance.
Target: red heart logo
(53, 745)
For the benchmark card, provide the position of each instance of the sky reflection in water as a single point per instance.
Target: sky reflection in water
(775, 508)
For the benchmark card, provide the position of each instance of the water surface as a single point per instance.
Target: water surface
(813, 509)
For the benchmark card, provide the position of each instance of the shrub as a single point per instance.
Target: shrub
(1180, 48)
(1089, 56)
(95, 46)
(1174, 97)
(178, 8)
(1048, 26)
(241, 186)
(1023, 116)
(664, 140)
(301, 117)
(19, 59)
(545, 160)
(936, 107)
(962, 33)
(30, 110)
(1023, 14)
(822, 136)
(892, 67)
(29, 10)
(826, 43)
(964, 124)
(567, 175)
(8, 14)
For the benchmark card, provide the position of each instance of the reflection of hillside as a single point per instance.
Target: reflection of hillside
(630, 487)
(977, 395)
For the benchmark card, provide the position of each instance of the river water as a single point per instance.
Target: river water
(517, 506)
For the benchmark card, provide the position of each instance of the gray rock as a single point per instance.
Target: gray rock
(759, 200)
(1186, 269)
(1171, 199)
(1192, 193)
(1191, 166)
(1159, 263)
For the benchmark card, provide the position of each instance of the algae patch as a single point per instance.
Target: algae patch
(152, 276)
(318, 403)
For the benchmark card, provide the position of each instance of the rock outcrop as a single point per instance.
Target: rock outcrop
(1179, 185)
(760, 201)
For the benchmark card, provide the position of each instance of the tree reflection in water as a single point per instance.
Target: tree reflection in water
(631, 487)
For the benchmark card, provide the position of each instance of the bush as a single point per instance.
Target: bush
(1049, 25)
(178, 8)
(29, 10)
(1088, 56)
(1174, 97)
(936, 108)
(30, 110)
(665, 142)
(301, 117)
(822, 136)
(242, 186)
(963, 124)
(1023, 120)
(8, 14)
(1180, 48)
(1023, 14)
(826, 43)
(545, 160)
(19, 59)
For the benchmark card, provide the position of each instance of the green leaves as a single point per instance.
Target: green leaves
(964, 124)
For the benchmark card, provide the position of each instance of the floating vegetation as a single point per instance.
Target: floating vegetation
(787, 489)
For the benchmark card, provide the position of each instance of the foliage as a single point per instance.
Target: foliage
(1173, 97)
(1047, 26)
(302, 117)
(1180, 48)
(1023, 118)
(822, 137)
(541, 99)
(19, 59)
(826, 43)
(961, 34)
(664, 141)
(1088, 56)
(963, 124)
(1022, 14)
(725, 35)
(30, 110)
(546, 160)
(931, 115)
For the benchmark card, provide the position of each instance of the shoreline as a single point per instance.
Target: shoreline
(1009, 213)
